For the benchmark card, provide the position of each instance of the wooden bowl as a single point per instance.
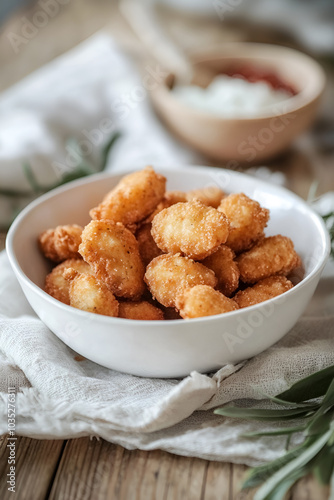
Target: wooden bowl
(246, 139)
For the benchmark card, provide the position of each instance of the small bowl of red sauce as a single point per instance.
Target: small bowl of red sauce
(260, 98)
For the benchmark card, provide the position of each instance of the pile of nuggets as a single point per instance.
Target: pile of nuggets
(152, 254)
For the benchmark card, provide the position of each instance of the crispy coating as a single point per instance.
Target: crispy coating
(147, 246)
(191, 228)
(170, 198)
(89, 294)
(210, 196)
(263, 290)
(167, 275)
(55, 283)
(61, 243)
(132, 227)
(225, 268)
(113, 253)
(133, 199)
(271, 256)
(140, 310)
(203, 300)
(247, 221)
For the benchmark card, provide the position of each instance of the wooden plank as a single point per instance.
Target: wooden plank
(309, 489)
(186, 478)
(218, 481)
(99, 470)
(36, 464)
(238, 477)
(88, 469)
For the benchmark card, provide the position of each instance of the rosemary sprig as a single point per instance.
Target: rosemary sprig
(312, 401)
(328, 218)
(329, 221)
(82, 169)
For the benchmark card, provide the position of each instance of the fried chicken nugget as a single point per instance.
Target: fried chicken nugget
(271, 256)
(167, 275)
(89, 294)
(113, 253)
(133, 199)
(210, 196)
(203, 300)
(191, 228)
(225, 268)
(61, 243)
(170, 198)
(263, 290)
(247, 221)
(140, 310)
(55, 283)
(147, 246)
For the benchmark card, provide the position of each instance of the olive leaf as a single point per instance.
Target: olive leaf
(310, 400)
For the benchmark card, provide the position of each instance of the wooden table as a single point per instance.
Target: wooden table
(89, 468)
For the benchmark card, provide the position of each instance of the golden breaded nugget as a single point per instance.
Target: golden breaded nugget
(211, 195)
(133, 199)
(191, 228)
(247, 221)
(147, 246)
(273, 255)
(89, 294)
(263, 290)
(132, 227)
(61, 243)
(167, 275)
(113, 253)
(170, 198)
(203, 300)
(55, 283)
(225, 269)
(140, 310)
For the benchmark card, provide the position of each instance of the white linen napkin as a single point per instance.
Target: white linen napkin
(59, 395)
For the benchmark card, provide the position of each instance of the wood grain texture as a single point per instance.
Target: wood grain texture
(218, 481)
(36, 464)
(97, 469)
(309, 489)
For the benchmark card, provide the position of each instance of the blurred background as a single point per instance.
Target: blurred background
(33, 33)
(306, 24)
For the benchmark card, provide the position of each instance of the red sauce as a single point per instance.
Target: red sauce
(254, 75)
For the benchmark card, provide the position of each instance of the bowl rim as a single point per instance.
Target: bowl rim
(291, 104)
(164, 170)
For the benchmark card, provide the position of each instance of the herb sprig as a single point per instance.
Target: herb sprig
(311, 402)
(329, 221)
(82, 169)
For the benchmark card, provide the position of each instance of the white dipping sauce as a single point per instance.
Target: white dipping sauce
(231, 97)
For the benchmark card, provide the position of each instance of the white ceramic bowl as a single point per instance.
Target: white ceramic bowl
(168, 348)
